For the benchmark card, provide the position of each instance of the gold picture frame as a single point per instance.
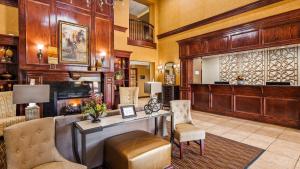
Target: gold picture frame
(73, 43)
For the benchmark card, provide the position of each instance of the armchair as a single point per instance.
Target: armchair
(8, 111)
(183, 129)
(31, 145)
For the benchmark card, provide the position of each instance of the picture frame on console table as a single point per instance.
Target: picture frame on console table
(128, 111)
(73, 43)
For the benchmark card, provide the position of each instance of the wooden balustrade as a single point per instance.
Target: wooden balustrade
(141, 33)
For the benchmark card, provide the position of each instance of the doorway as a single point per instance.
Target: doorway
(140, 73)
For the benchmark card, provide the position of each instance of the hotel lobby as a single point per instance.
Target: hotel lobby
(149, 84)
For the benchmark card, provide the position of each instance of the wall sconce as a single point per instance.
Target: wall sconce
(197, 72)
(99, 64)
(40, 47)
(177, 67)
(160, 68)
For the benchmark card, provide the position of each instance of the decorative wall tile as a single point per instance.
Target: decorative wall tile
(252, 67)
(283, 65)
(258, 67)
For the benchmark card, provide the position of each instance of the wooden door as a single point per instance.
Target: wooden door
(133, 77)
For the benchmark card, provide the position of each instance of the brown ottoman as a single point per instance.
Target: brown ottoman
(137, 150)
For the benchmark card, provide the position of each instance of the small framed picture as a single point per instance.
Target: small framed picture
(128, 111)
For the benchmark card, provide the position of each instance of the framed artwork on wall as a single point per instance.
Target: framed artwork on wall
(73, 43)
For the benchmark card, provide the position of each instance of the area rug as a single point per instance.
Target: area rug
(220, 153)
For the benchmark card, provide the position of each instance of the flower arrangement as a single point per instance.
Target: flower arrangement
(240, 77)
(94, 107)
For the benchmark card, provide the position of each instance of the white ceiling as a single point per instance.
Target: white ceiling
(136, 8)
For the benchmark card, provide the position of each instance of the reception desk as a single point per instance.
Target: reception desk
(271, 104)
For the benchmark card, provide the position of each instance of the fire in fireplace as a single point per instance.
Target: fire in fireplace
(66, 97)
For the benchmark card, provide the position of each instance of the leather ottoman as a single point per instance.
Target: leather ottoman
(137, 150)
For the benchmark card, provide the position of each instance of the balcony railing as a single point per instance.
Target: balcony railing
(141, 33)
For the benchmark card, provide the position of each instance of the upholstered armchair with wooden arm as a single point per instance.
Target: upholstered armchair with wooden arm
(183, 129)
(8, 111)
(31, 145)
(129, 96)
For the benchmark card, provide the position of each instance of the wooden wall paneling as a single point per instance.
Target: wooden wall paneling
(245, 40)
(281, 34)
(77, 3)
(185, 81)
(217, 44)
(199, 46)
(103, 34)
(278, 30)
(221, 98)
(248, 99)
(38, 17)
(271, 104)
(109, 89)
(106, 10)
(201, 97)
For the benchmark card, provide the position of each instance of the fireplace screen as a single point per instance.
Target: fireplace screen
(66, 97)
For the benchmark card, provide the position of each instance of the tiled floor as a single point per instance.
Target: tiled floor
(282, 144)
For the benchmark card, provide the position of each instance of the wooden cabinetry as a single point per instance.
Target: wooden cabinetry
(272, 104)
(282, 29)
(8, 62)
(121, 75)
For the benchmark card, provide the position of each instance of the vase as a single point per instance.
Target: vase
(240, 82)
(96, 117)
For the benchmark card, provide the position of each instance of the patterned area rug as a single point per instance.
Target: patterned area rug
(220, 153)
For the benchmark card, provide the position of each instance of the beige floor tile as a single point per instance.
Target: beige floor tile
(259, 141)
(234, 136)
(270, 131)
(219, 130)
(291, 135)
(249, 128)
(282, 147)
(269, 160)
(298, 164)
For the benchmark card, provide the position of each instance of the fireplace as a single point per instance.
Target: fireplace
(66, 97)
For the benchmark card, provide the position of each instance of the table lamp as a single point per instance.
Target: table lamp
(32, 94)
(153, 88)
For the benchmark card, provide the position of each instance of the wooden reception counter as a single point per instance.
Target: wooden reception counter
(271, 104)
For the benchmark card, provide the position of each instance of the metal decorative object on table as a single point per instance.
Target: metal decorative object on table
(152, 106)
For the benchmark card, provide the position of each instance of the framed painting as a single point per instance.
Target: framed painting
(74, 43)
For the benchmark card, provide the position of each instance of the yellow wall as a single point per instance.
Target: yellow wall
(173, 15)
(9, 20)
(120, 39)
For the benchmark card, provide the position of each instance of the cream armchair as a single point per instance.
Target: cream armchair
(129, 96)
(8, 111)
(31, 145)
(183, 129)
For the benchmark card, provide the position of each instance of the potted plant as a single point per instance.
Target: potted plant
(240, 80)
(94, 107)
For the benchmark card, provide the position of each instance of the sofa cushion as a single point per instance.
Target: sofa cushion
(188, 132)
(60, 165)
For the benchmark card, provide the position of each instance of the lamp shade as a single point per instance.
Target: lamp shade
(23, 94)
(153, 87)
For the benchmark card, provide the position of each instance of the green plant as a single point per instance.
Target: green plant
(94, 107)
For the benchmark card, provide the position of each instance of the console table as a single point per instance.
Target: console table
(86, 127)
